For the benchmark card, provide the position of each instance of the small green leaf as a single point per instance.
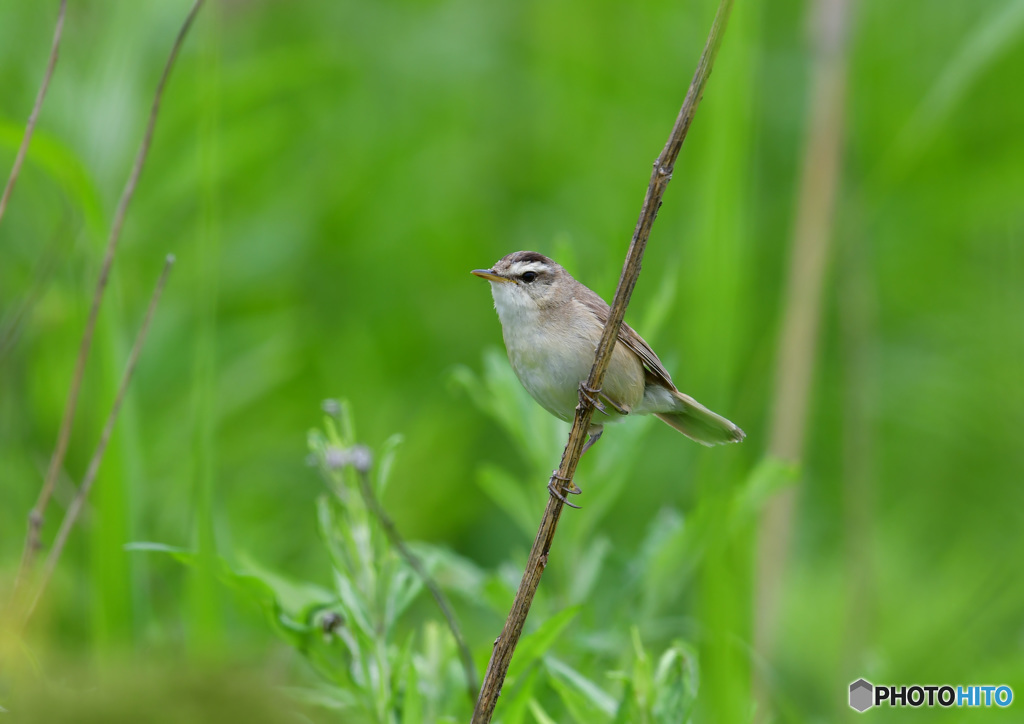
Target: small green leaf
(346, 424)
(533, 647)
(463, 377)
(355, 608)
(568, 680)
(769, 477)
(258, 588)
(412, 698)
(325, 697)
(624, 714)
(403, 588)
(182, 554)
(509, 494)
(387, 460)
(642, 683)
(516, 698)
(293, 595)
(539, 714)
(497, 593)
(676, 682)
(451, 571)
(587, 568)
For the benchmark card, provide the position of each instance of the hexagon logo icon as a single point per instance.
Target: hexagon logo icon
(861, 697)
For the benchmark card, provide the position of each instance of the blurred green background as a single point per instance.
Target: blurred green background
(327, 173)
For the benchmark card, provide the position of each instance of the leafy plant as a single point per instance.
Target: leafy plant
(601, 648)
(601, 670)
(356, 636)
(390, 675)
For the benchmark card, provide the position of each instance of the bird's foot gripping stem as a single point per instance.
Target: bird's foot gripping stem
(600, 401)
(593, 396)
(572, 488)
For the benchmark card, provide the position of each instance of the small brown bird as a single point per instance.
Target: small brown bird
(552, 325)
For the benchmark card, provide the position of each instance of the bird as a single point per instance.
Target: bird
(552, 323)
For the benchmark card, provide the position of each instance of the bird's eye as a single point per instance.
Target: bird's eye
(529, 276)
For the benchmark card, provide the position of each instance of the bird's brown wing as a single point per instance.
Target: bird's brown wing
(627, 335)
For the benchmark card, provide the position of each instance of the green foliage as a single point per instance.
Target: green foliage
(379, 665)
(373, 668)
(650, 579)
(134, 692)
(328, 173)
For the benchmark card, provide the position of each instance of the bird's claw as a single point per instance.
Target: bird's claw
(572, 489)
(593, 396)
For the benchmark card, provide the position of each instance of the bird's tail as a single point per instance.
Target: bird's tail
(699, 423)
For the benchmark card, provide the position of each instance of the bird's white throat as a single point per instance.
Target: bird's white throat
(517, 311)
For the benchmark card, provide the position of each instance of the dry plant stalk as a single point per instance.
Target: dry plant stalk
(97, 457)
(33, 117)
(7, 335)
(505, 645)
(465, 655)
(35, 519)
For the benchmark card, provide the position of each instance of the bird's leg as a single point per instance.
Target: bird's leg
(572, 490)
(597, 400)
(594, 437)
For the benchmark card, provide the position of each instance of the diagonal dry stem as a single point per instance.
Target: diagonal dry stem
(504, 647)
(466, 656)
(35, 521)
(33, 117)
(97, 457)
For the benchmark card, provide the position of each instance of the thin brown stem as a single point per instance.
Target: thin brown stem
(35, 520)
(468, 667)
(97, 457)
(505, 646)
(33, 117)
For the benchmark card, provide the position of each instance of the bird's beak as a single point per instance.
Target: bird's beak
(490, 276)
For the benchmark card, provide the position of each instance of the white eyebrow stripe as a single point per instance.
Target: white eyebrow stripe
(518, 268)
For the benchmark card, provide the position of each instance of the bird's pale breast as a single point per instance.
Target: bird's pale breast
(551, 358)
